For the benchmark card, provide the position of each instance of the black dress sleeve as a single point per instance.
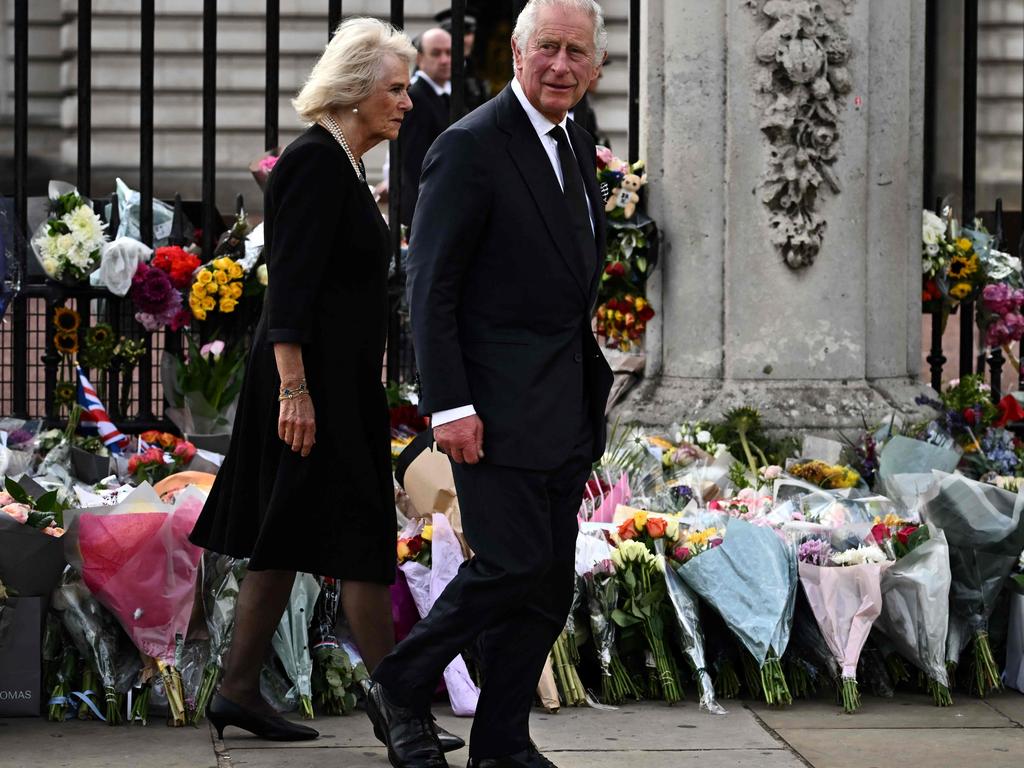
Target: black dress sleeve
(309, 191)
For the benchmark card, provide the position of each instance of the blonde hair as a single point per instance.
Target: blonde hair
(351, 63)
(526, 24)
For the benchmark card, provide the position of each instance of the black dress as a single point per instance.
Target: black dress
(331, 513)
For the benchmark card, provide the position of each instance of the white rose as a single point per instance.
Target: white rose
(50, 266)
(703, 437)
(933, 228)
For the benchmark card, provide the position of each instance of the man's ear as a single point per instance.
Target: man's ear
(517, 55)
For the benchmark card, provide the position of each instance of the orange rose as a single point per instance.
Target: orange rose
(627, 530)
(167, 440)
(403, 550)
(656, 527)
(150, 436)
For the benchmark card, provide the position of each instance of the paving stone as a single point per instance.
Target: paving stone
(1011, 704)
(904, 711)
(884, 747)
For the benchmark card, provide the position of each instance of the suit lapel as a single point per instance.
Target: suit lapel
(532, 161)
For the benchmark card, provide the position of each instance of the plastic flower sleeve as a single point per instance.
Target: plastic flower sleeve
(915, 605)
(291, 639)
(687, 613)
(221, 576)
(845, 600)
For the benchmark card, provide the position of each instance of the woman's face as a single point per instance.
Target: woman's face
(381, 112)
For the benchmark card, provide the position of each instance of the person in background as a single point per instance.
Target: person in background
(431, 99)
(477, 91)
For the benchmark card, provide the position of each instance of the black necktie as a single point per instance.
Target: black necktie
(446, 99)
(576, 197)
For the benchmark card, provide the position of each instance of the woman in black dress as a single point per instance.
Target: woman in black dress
(306, 485)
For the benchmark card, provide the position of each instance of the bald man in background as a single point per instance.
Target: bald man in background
(431, 101)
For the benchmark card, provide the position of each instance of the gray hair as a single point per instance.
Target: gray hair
(351, 63)
(526, 24)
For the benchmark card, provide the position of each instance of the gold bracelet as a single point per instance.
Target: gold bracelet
(288, 393)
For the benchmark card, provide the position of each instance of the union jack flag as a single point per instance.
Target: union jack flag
(94, 415)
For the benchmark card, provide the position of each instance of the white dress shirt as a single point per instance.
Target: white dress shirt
(543, 127)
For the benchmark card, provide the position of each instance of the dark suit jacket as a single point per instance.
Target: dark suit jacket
(423, 123)
(500, 300)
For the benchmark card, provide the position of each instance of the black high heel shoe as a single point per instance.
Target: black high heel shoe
(223, 712)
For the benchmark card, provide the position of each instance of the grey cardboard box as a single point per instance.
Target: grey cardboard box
(20, 659)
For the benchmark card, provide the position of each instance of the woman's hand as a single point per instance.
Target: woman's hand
(296, 424)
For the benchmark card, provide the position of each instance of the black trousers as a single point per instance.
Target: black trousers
(512, 597)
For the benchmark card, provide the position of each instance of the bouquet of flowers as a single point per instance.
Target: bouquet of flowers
(336, 674)
(622, 321)
(218, 287)
(915, 599)
(845, 601)
(291, 639)
(951, 267)
(161, 454)
(177, 263)
(209, 380)
(68, 245)
(221, 577)
(594, 566)
(825, 475)
(750, 578)
(157, 301)
(982, 525)
(643, 591)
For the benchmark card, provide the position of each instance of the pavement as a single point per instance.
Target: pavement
(905, 731)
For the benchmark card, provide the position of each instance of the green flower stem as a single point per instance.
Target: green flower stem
(940, 694)
(985, 669)
(851, 695)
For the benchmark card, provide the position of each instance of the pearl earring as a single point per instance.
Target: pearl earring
(355, 110)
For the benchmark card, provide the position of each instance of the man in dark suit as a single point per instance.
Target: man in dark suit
(502, 285)
(431, 103)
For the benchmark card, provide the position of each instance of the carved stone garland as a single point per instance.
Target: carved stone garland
(804, 52)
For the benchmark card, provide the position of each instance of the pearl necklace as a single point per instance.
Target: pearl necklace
(335, 130)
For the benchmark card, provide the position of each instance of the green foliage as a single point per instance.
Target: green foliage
(335, 681)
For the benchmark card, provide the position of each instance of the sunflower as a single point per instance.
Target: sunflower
(100, 335)
(65, 393)
(66, 320)
(960, 290)
(961, 267)
(66, 343)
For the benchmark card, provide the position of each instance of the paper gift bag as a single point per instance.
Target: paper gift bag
(20, 654)
(31, 562)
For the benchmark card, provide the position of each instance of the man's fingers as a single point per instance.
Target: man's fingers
(456, 455)
(471, 454)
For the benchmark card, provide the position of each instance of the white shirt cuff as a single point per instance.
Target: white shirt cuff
(452, 414)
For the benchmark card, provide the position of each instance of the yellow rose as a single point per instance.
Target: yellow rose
(209, 303)
(204, 277)
(213, 289)
(235, 290)
(235, 270)
(963, 244)
(195, 302)
(199, 288)
(199, 313)
(640, 520)
(428, 532)
(221, 276)
(227, 305)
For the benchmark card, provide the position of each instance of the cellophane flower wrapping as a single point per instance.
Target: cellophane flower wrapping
(291, 639)
(426, 585)
(982, 525)
(845, 600)
(751, 581)
(221, 579)
(691, 636)
(915, 605)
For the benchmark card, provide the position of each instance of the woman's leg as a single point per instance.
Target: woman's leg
(367, 608)
(262, 599)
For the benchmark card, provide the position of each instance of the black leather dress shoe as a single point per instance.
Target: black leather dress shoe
(449, 741)
(409, 734)
(223, 712)
(528, 758)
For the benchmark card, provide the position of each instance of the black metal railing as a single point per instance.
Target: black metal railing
(992, 363)
(28, 341)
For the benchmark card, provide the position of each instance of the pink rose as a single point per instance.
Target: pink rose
(185, 451)
(54, 531)
(5, 499)
(772, 472)
(604, 156)
(18, 511)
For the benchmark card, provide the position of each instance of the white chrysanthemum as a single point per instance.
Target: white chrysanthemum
(933, 228)
(859, 556)
(50, 266)
(64, 245)
(80, 256)
(85, 226)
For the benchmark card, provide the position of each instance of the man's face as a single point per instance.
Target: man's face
(436, 59)
(558, 64)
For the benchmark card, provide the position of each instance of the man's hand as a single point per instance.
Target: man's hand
(462, 440)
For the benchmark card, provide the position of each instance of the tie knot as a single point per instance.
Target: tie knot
(558, 134)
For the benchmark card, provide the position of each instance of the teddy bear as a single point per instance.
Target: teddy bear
(625, 195)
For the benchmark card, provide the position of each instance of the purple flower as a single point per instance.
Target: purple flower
(998, 298)
(157, 300)
(19, 437)
(815, 552)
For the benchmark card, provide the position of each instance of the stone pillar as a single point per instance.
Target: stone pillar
(834, 334)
